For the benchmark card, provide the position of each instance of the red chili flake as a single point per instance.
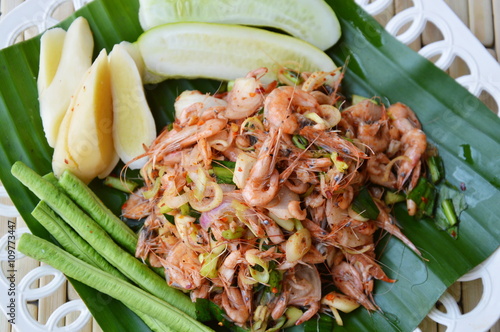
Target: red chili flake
(66, 161)
(252, 94)
(274, 290)
(424, 199)
(260, 90)
(339, 158)
(91, 232)
(462, 186)
(240, 169)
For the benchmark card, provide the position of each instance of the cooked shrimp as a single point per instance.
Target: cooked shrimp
(183, 137)
(246, 96)
(263, 182)
(282, 102)
(192, 105)
(379, 171)
(349, 281)
(304, 287)
(137, 207)
(386, 222)
(234, 306)
(370, 121)
(332, 142)
(290, 211)
(182, 267)
(414, 145)
(403, 118)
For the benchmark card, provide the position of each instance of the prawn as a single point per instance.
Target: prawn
(246, 96)
(263, 182)
(180, 138)
(414, 145)
(332, 142)
(379, 171)
(282, 102)
(403, 118)
(304, 287)
(371, 123)
(234, 305)
(182, 267)
(349, 281)
(386, 222)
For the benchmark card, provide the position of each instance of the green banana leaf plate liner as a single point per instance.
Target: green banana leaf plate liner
(454, 120)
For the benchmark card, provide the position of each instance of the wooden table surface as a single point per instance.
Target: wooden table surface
(477, 14)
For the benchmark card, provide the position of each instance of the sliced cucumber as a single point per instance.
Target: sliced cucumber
(311, 20)
(225, 52)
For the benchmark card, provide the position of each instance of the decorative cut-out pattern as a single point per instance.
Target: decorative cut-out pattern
(458, 41)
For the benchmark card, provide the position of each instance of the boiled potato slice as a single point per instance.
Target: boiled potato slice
(133, 124)
(76, 58)
(51, 46)
(85, 142)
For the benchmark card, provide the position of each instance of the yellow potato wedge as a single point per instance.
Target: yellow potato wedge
(51, 46)
(85, 142)
(133, 124)
(75, 60)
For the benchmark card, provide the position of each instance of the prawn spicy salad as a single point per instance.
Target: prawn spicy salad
(260, 198)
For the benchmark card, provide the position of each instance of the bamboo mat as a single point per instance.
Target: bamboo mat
(479, 15)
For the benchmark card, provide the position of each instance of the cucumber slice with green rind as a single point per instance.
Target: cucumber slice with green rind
(311, 20)
(225, 52)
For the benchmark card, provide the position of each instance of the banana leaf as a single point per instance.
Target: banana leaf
(464, 130)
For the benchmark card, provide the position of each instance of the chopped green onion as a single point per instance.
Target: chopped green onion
(153, 191)
(223, 171)
(300, 141)
(392, 197)
(120, 184)
(209, 265)
(287, 224)
(170, 218)
(275, 278)
(292, 76)
(185, 209)
(436, 168)
(292, 315)
(308, 192)
(424, 196)
(357, 99)
(317, 119)
(229, 234)
(449, 212)
(277, 325)
(258, 267)
(364, 205)
(451, 203)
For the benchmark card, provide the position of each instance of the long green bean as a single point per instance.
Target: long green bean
(90, 203)
(70, 240)
(100, 240)
(130, 295)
